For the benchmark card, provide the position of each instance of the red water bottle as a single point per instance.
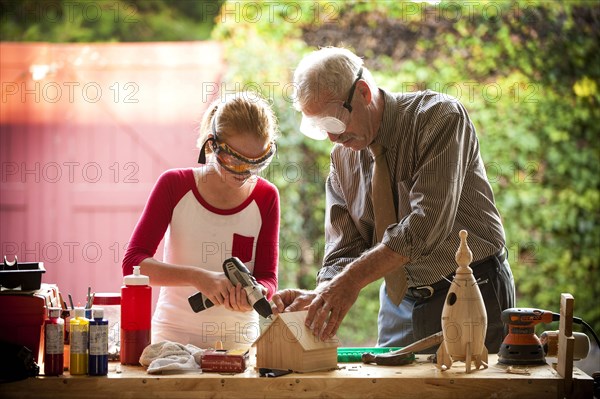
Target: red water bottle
(136, 314)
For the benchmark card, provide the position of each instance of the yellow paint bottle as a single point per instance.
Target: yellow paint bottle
(79, 343)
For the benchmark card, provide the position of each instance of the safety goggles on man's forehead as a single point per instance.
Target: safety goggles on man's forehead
(333, 119)
(233, 161)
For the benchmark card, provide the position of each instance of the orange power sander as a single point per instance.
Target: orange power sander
(521, 345)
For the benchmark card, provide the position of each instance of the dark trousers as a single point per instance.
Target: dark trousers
(420, 313)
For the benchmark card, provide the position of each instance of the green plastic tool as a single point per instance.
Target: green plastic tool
(353, 355)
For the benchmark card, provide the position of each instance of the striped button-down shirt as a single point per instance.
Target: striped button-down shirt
(439, 185)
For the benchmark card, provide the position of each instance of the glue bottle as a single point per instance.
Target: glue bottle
(54, 329)
(79, 342)
(98, 360)
(136, 314)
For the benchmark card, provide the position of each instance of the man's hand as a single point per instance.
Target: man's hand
(330, 305)
(291, 300)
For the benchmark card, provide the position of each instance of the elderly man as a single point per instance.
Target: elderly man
(428, 153)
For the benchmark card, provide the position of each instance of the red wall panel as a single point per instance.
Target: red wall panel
(82, 144)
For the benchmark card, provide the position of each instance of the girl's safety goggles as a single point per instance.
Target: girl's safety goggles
(333, 119)
(233, 161)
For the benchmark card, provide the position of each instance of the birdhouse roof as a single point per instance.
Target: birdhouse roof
(294, 322)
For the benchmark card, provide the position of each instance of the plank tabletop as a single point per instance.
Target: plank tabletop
(350, 380)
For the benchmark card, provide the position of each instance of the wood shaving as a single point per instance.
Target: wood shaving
(515, 370)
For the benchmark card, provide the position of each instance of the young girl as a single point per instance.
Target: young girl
(206, 215)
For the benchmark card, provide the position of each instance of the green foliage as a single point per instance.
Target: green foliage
(106, 21)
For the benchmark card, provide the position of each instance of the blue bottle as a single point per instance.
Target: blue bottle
(98, 358)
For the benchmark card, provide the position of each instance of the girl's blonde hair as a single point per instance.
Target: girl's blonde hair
(240, 113)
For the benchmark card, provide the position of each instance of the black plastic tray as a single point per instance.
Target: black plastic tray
(24, 275)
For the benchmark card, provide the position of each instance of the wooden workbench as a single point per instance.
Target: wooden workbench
(352, 380)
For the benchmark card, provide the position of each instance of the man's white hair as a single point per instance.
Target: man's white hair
(325, 75)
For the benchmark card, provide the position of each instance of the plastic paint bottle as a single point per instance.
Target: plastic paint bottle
(111, 303)
(79, 343)
(54, 330)
(136, 314)
(98, 360)
(66, 315)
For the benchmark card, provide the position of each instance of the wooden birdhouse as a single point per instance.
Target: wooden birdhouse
(287, 344)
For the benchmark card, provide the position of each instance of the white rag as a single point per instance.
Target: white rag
(171, 356)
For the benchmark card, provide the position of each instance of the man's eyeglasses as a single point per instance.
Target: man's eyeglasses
(333, 120)
(348, 103)
(233, 161)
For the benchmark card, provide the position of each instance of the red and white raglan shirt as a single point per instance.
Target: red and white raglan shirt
(198, 234)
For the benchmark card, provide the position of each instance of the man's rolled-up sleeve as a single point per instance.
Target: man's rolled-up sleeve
(343, 242)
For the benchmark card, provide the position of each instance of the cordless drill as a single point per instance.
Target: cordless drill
(521, 345)
(237, 272)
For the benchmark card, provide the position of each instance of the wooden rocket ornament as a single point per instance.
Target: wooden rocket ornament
(464, 318)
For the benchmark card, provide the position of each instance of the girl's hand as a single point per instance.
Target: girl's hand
(215, 286)
(238, 299)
